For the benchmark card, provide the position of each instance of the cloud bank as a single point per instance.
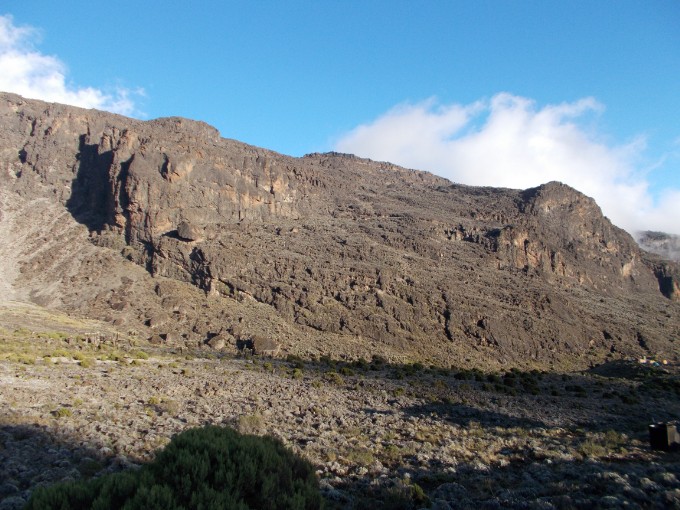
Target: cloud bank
(27, 72)
(508, 141)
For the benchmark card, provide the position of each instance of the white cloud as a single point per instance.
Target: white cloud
(27, 72)
(510, 142)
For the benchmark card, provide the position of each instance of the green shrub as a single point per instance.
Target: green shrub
(361, 364)
(377, 362)
(478, 375)
(397, 374)
(140, 355)
(629, 399)
(591, 448)
(89, 467)
(360, 456)
(335, 378)
(210, 468)
(297, 361)
(327, 360)
(404, 495)
(26, 359)
(62, 412)
(493, 378)
(87, 362)
(346, 371)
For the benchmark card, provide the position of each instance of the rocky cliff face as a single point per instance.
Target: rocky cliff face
(665, 245)
(166, 229)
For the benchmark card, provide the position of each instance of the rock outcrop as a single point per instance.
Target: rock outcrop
(325, 254)
(664, 245)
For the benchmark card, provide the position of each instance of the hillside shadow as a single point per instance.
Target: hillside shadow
(465, 415)
(31, 456)
(518, 484)
(514, 398)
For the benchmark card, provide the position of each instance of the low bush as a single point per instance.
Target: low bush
(335, 378)
(297, 361)
(62, 412)
(346, 371)
(361, 364)
(211, 467)
(86, 362)
(140, 355)
(377, 362)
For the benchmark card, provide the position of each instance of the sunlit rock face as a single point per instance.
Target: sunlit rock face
(178, 233)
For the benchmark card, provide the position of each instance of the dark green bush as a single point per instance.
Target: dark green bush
(493, 378)
(206, 468)
(377, 362)
(327, 360)
(346, 371)
(464, 375)
(297, 361)
(361, 364)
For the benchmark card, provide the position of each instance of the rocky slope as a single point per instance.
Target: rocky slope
(168, 231)
(665, 245)
(380, 436)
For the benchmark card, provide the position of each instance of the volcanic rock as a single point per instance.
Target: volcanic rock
(188, 232)
(665, 245)
(220, 341)
(328, 254)
(265, 346)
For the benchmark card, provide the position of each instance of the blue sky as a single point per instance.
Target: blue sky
(508, 93)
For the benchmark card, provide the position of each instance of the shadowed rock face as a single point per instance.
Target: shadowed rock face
(328, 253)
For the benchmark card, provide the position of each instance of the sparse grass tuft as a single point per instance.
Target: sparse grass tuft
(335, 378)
(140, 355)
(62, 412)
(251, 424)
(86, 362)
(360, 457)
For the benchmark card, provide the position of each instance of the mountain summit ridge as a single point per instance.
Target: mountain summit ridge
(167, 230)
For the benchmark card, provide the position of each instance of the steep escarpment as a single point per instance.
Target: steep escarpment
(328, 253)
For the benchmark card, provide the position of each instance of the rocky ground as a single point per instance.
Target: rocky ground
(381, 435)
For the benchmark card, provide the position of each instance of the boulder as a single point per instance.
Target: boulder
(156, 319)
(264, 346)
(156, 340)
(189, 232)
(219, 342)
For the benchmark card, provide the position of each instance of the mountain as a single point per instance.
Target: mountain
(173, 234)
(665, 245)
